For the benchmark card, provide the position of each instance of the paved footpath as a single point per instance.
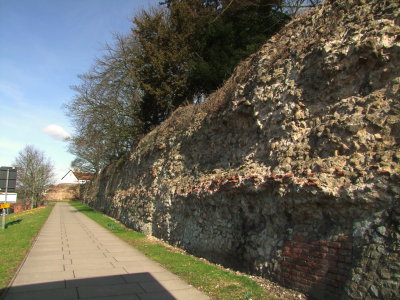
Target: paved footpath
(75, 258)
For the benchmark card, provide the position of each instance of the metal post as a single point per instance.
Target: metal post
(3, 221)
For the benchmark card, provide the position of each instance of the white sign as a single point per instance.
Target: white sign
(11, 197)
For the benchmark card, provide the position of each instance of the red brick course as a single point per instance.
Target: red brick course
(320, 264)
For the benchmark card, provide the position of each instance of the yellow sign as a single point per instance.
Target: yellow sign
(4, 205)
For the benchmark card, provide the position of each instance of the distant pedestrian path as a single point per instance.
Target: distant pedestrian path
(75, 258)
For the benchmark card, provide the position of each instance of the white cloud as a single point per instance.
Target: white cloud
(56, 132)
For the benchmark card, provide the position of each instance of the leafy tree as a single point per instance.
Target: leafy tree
(162, 63)
(189, 47)
(35, 173)
(232, 32)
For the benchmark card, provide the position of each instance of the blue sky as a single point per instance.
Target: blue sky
(44, 45)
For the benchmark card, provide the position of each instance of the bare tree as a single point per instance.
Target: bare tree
(35, 173)
(105, 108)
(91, 152)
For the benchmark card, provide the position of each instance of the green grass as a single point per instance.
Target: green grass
(16, 239)
(211, 279)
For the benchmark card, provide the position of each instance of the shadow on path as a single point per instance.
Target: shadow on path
(81, 209)
(128, 286)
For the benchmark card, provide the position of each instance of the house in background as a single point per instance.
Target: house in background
(76, 177)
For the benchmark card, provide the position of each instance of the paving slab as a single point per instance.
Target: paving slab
(144, 277)
(57, 251)
(90, 273)
(44, 268)
(59, 294)
(89, 266)
(27, 278)
(75, 258)
(109, 290)
(96, 281)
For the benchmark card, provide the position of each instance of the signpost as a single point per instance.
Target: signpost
(11, 197)
(8, 182)
(8, 178)
(4, 205)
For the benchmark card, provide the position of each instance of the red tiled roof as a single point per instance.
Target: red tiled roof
(83, 176)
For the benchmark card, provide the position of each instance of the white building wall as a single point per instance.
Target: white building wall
(69, 178)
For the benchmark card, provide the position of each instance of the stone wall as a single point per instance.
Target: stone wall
(291, 170)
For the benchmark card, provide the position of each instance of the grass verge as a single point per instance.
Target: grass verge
(16, 239)
(216, 282)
